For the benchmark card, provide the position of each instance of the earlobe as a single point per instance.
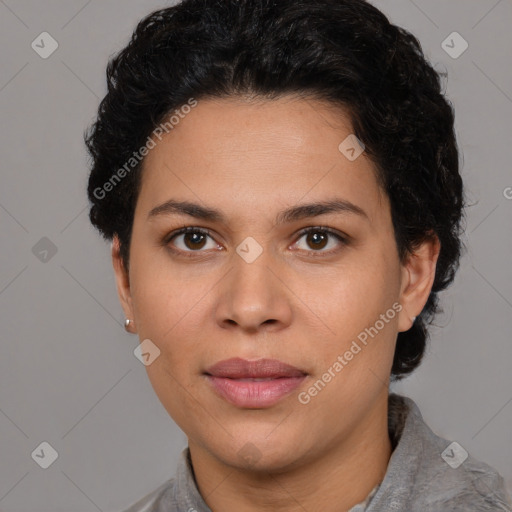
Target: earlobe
(418, 275)
(122, 280)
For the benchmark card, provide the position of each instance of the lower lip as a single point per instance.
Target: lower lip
(254, 394)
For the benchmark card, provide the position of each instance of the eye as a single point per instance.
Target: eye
(319, 238)
(191, 239)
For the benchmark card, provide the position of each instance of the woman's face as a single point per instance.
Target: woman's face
(328, 302)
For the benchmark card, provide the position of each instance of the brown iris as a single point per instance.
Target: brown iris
(196, 240)
(317, 239)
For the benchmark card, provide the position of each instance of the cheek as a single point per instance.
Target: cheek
(166, 308)
(357, 305)
(162, 294)
(172, 307)
(353, 296)
(354, 360)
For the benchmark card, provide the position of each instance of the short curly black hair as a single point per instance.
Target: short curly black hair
(345, 52)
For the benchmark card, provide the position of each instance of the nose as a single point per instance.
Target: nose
(254, 296)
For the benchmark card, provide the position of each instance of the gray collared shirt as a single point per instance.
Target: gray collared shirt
(425, 473)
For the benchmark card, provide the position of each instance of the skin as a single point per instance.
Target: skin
(298, 302)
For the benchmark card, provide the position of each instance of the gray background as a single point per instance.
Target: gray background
(68, 375)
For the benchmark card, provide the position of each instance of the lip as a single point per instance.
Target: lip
(254, 384)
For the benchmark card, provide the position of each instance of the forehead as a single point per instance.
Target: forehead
(254, 154)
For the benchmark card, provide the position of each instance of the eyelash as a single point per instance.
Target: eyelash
(191, 229)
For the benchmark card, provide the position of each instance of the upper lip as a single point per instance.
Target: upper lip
(237, 368)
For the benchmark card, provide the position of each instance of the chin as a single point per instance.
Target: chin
(260, 453)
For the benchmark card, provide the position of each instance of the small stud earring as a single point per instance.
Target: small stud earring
(127, 324)
(413, 319)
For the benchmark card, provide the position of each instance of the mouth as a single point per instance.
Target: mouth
(254, 384)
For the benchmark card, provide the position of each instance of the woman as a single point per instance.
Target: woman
(280, 183)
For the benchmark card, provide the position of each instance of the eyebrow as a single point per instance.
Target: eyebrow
(292, 214)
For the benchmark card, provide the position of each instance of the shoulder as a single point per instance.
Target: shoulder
(428, 473)
(162, 499)
(178, 494)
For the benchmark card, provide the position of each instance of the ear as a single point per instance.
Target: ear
(418, 275)
(122, 282)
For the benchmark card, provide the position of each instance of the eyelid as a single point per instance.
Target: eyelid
(341, 237)
(187, 229)
(326, 229)
(344, 239)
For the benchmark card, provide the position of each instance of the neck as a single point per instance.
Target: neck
(336, 479)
